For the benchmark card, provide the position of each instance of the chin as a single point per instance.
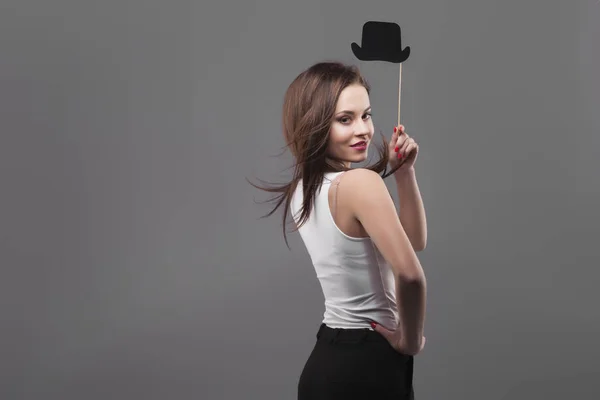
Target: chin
(355, 160)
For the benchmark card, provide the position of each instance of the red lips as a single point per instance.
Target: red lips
(363, 143)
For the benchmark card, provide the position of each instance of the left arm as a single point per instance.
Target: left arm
(412, 212)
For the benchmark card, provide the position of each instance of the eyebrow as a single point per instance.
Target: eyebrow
(350, 112)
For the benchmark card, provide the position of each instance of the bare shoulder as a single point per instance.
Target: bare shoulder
(362, 184)
(362, 176)
(362, 173)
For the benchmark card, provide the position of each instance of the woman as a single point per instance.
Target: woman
(362, 250)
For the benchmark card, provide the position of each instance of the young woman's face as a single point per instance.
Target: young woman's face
(352, 127)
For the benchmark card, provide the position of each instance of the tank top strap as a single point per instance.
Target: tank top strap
(335, 181)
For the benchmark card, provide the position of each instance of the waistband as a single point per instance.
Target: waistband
(339, 335)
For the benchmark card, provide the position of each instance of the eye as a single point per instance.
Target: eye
(346, 120)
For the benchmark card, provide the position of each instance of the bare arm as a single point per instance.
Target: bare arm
(412, 212)
(373, 206)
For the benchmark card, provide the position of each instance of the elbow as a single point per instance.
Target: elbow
(418, 240)
(411, 275)
(419, 245)
(411, 279)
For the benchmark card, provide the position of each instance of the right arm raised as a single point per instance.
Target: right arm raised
(372, 205)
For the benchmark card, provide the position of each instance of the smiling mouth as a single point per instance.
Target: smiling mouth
(363, 143)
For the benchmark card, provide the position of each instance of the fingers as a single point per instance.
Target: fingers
(405, 144)
(409, 146)
(394, 140)
(390, 337)
(400, 137)
(386, 333)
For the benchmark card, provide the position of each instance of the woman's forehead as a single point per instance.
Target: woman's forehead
(353, 97)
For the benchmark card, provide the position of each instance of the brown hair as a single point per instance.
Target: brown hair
(308, 111)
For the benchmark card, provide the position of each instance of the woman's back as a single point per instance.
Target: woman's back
(357, 282)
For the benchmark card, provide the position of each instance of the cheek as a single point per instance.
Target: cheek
(340, 135)
(337, 141)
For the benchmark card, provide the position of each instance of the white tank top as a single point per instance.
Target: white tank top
(357, 282)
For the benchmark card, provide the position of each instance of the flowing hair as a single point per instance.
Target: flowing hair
(308, 112)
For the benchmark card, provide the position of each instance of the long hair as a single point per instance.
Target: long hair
(308, 112)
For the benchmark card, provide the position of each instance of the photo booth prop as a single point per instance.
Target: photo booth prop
(381, 41)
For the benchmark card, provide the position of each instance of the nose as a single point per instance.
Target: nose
(362, 128)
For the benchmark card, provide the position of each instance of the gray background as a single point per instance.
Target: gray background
(133, 261)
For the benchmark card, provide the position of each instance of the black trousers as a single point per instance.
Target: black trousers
(355, 364)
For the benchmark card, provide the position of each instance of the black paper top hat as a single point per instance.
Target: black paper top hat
(381, 42)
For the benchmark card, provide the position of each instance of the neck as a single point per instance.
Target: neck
(335, 165)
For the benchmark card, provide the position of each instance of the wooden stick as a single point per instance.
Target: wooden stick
(399, 92)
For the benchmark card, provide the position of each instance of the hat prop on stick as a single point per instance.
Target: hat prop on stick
(381, 41)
